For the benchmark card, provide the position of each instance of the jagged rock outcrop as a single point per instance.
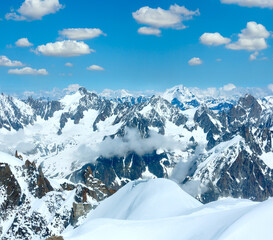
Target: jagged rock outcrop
(38, 184)
(10, 190)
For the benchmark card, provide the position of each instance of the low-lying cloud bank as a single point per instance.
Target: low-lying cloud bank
(131, 142)
(228, 90)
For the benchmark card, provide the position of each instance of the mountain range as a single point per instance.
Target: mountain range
(60, 158)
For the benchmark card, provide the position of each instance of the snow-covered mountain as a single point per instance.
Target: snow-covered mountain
(159, 209)
(84, 147)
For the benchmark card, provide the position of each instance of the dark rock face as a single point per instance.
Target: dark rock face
(129, 167)
(44, 109)
(79, 210)
(10, 187)
(152, 113)
(55, 238)
(90, 186)
(203, 117)
(245, 178)
(238, 171)
(247, 111)
(38, 184)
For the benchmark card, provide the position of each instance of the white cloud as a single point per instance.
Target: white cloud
(95, 68)
(184, 12)
(65, 74)
(229, 87)
(72, 88)
(81, 33)
(213, 39)
(14, 16)
(34, 10)
(251, 3)
(253, 56)
(28, 71)
(28, 93)
(131, 142)
(160, 18)
(66, 48)
(270, 87)
(219, 60)
(252, 38)
(68, 64)
(23, 42)
(195, 61)
(4, 61)
(149, 31)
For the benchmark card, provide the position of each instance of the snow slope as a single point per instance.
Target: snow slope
(146, 199)
(223, 219)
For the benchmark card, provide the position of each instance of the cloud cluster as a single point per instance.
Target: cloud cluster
(72, 88)
(195, 61)
(68, 64)
(81, 33)
(251, 3)
(23, 42)
(149, 31)
(95, 68)
(253, 56)
(34, 10)
(252, 38)
(5, 61)
(229, 87)
(18, 140)
(131, 142)
(66, 48)
(160, 18)
(213, 39)
(28, 71)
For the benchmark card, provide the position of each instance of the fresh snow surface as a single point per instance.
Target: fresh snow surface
(146, 199)
(12, 161)
(268, 159)
(158, 209)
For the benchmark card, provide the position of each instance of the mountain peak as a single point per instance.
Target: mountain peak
(180, 92)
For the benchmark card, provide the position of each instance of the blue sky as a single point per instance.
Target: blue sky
(126, 58)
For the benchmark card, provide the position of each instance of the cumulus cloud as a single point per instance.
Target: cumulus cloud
(160, 18)
(253, 56)
(81, 33)
(68, 64)
(229, 87)
(23, 42)
(28, 71)
(72, 88)
(195, 61)
(149, 31)
(252, 38)
(95, 68)
(66, 48)
(34, 10)
(213, 39)
(5, 61)
(251, 3)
